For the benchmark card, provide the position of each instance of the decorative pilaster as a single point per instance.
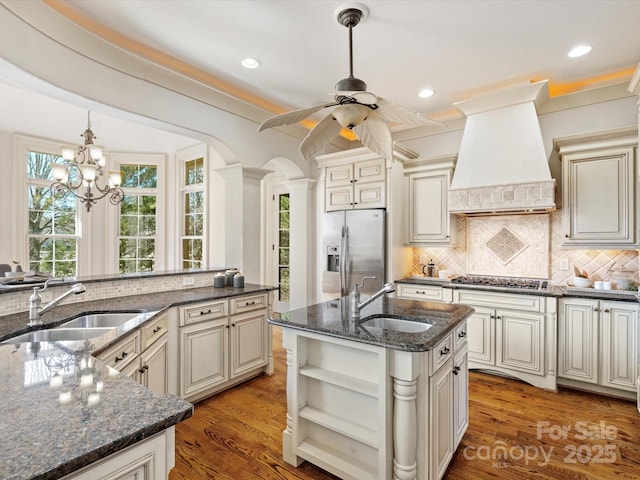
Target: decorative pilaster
(405, 434)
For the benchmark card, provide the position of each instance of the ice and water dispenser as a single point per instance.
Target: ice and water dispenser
(333, 259)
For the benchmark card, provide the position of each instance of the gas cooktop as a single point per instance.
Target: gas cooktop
(501, 282)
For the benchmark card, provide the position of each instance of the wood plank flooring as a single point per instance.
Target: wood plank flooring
(516, 432)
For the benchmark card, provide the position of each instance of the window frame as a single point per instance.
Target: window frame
(182, 158)
(22, 146)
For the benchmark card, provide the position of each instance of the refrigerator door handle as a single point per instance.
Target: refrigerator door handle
(341, 262)
(345, 263)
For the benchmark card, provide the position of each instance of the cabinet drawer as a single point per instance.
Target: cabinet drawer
(460, 336)
(525, 303)
(248, 303)
(420, 292)
(123, 353)
(202, 311)
(153, 330)
(441, 353)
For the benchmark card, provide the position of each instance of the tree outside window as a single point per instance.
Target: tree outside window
(283, 247)
(52, 223)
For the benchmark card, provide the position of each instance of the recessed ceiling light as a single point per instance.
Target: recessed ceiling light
(579, 51)
(250, 63)
(426, 93)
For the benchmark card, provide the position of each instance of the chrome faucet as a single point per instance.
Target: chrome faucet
(35, 300)
(356, 306)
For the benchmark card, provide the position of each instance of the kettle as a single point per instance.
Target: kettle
(431, 269)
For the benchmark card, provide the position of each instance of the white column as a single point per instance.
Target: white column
(288, 455)
(242, 219)
(301, 241)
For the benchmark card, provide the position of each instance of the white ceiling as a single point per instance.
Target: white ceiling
(457, 48)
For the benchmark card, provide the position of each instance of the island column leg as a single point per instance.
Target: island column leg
(288, 455)
(405, 434)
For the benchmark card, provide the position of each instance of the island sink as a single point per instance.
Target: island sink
(59, 335)
(380, 325)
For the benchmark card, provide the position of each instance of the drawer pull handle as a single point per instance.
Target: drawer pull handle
(421, 292)
(157, 329)
(445, 350)
(253, 302)
(456, 369)
(143, 369)
(119, 359)
(462, 334)
(205, 313)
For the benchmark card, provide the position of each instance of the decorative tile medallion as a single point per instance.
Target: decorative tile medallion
(506, 245)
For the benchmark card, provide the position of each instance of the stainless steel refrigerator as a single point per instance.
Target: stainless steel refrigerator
(353, 246)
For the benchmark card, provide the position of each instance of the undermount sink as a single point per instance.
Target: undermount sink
(379, 325)
(99, 320)
(59, 335)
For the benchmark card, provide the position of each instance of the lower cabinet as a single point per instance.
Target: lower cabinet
(598, 345)
(150, 459)
(513, 334)
(368, 412)
(222, 343)
(142, 355)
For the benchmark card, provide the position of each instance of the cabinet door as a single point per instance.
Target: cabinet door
(460, 395)
(153, 369)
(369, 195)
(339, 175)
(429, 218)
(368, 171)
(339, 198)
(520, 341)
(606, 217)
(203, 356)
(441, 420)
(249, 349)
(619, 329)
(480, 334)
(578, 340)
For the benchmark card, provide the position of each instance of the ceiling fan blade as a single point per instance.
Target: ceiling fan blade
(325, 130)
(375, 135)
(288, 118)
(365, 98)
(392, 112)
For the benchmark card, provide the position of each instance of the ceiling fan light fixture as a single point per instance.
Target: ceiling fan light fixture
(351, 84)
(350, 115)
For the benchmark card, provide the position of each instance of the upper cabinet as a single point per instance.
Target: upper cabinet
(428, 221)
(354, 185)
(599, 186)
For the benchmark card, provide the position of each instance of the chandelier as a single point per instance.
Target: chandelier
(82, 171)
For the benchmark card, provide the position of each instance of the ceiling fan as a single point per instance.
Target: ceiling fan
(361, 111)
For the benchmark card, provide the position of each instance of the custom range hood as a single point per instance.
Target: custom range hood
(502, 167)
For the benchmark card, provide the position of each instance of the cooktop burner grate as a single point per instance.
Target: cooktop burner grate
(504, 282)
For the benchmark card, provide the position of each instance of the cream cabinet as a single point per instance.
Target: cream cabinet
(512, 334)
(222, 343)
(432, 293)
(142, 355)
(599, 189)
(598, 345)
(365, 411)
(353, 179)
(150, 459)
(356, 185)
(428, 221)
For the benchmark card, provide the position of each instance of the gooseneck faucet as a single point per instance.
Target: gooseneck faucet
(35, 300)
(356, 306)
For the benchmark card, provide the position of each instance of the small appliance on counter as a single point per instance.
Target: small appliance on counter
(431, 269)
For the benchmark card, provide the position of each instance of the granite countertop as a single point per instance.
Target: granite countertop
(49, 429)
(333, 318)
(557, 291)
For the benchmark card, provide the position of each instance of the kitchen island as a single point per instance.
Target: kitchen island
(370, 398)
(65, 413)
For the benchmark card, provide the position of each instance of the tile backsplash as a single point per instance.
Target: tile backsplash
(514, 245)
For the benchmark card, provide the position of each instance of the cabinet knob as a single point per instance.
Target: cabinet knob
(422, 293)
(444, 351)
(566, 236)
(606, 310)
(596, 309)
(492, 316)
(498, 317)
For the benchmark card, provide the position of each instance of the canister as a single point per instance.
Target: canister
(219, 280)
(238, 280)
(228, 276)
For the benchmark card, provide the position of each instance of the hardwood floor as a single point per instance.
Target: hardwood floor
(516, 432)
